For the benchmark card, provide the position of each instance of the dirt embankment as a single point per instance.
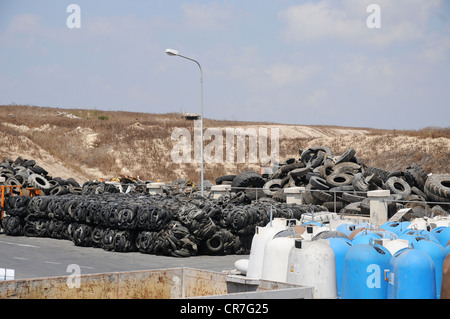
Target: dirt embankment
(93, 144)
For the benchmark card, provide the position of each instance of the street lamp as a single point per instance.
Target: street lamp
(172, 52)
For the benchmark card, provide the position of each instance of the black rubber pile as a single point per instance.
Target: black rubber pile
(26, 173)
(178, 226)
(340, 183)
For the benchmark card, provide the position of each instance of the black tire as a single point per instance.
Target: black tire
(352, 198)
(317, 159)
(346, 167)
(359, 183)
(339, 179)
(319, 183)
(298, 173)
(39, 170)
(225, 178)
(321, 196)
(38, 181)
(71, 181)
(397, 185)
(326, 169)
(307, 154)
(416, 191)
(347, 156)
(215, 244)
(377, 172)
(439, 185)
(247, 179)
(419, 175)
(330, 206)
(272, 186)
(28, 163)
(285, 169)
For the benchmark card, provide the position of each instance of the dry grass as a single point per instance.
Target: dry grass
(102, 144)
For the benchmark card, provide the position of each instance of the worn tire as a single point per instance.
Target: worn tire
(339, 179)
(347, 156)
(439, 185)
(272, 186)
(397, 185)
(319, 183)
(38, 181)
(247, 179)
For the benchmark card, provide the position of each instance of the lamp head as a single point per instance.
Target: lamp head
(171, 52)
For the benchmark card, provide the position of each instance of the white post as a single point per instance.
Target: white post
(378, 206)
(219, 190)
(294, 195)
(155, 188)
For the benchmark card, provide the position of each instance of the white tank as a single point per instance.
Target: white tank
(313, 264)
(334, 224)
(311, 230)
(276, 256)
(393, 245)
(241, 266)
(418, 224)
(439, 221)
(259, 241)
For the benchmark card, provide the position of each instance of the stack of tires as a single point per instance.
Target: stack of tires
(26, 173)
(169, 225)
(340, 183)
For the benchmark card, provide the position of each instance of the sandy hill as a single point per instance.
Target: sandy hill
(94, 144)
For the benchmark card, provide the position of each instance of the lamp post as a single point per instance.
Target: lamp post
(172, 52)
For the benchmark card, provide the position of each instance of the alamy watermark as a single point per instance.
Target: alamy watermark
(226, 145)
(74, 279)
(374, 19)
(73, 21)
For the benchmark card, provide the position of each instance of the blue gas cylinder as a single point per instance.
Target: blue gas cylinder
(421, 233)
(365, 237)
(412, 275)
(390, 273)
(396, 227)
(340, 248)
(346, 228)
(437, 254)
(442, 234)
(364, 269)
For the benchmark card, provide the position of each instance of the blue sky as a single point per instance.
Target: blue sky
(292, 62)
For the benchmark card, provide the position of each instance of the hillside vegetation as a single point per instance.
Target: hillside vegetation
(95, 144)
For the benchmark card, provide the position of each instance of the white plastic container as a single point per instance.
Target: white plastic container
(241, 266)
(312, 263)
(262, 236)
(312, 230)
(418, 224)
(439, 221)
(276, 257)
(393, 245)
(323, 217)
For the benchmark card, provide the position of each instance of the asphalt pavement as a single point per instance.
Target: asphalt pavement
(35, 257)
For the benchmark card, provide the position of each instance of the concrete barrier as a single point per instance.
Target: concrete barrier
(155, 188)
(294, 195)
(219, 190)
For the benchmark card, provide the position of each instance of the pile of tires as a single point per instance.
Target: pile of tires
(28, 174)
(341, 182)
(179, 226)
